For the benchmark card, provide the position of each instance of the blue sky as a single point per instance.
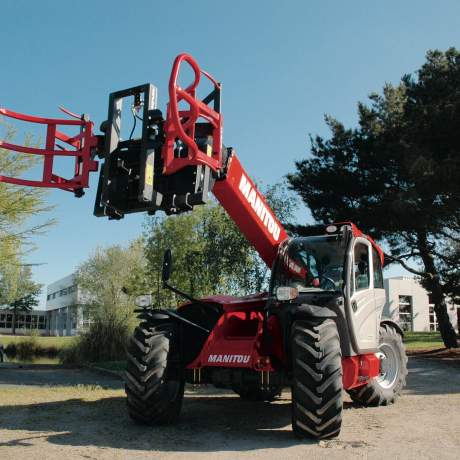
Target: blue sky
(282, 66)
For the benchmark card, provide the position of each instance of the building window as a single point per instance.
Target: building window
(405, 312)
(433, 323)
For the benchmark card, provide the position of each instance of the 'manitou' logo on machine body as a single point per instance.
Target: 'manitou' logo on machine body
(228, 359)
(257, 204)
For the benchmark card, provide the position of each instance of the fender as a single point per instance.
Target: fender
(391, 323)
(165, 314)
(308, 311)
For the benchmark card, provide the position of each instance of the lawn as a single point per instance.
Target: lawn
(58, 342)
(423, 339)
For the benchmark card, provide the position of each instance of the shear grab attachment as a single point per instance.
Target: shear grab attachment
(82, 147)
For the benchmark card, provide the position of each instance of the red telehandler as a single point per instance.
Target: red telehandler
(319, 329)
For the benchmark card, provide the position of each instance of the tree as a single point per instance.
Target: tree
(397, 175)
(18, 292)
(211, 255)
(19, 205)
(110, 279)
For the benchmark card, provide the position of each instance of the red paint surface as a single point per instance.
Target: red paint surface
(354, 367)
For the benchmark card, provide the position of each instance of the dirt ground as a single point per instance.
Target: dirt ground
(90, 421)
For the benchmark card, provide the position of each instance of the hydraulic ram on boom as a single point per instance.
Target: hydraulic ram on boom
(319, 329)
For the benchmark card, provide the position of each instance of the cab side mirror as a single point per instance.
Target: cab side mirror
(167, 264)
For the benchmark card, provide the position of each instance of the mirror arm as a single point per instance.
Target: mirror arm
(191, 299)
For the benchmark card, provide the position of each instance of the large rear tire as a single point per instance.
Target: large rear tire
(385, 388)
(154, 375)
(255, 393)
(317, 402)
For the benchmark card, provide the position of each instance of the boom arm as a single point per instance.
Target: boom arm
(249, 210)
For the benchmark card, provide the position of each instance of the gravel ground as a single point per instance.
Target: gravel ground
(89, 420)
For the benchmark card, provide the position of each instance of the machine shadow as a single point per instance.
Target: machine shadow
(208, 423)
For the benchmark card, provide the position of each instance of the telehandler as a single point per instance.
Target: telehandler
(319, 329)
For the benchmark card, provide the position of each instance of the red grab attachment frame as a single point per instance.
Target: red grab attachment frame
(174, 127)
(82, 142)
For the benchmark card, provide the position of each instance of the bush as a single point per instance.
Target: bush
(106, 339)
(28, 347)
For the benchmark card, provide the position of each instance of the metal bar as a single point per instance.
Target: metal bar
(45, 121)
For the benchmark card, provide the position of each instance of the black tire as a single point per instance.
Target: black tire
(255, 393)
(154, 375)
(317, 401)
(385, 388)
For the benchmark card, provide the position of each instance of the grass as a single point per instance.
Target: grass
(59, 342)
(423, 340)
(118, 366)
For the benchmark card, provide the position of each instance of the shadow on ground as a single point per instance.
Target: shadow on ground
(208, 423)
(211, 420)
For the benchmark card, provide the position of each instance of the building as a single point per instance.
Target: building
(61, 307)
(36, 319)
(59, 316)
(408, 303)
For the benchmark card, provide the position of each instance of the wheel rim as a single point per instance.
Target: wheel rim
(387, 379)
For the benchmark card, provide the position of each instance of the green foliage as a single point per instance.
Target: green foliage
(30, 346)
(106, 340)
(397, 176)
(19, 205)
(110, 279)
(43, 342)
(18, 292)
(210, 254)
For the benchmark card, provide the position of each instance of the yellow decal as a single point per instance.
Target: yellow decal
(149, 175)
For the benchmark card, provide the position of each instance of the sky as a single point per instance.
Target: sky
(282, 65)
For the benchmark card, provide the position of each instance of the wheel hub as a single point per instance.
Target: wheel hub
(388, 365)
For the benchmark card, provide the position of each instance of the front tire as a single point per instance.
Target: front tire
(389, 384)
(317, 402)
(154, 375)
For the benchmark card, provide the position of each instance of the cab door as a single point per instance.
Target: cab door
(366, 306)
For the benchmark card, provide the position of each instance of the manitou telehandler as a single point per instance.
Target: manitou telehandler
(319, 329)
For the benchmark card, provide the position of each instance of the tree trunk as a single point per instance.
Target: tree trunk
(13, 329)
(433, 284)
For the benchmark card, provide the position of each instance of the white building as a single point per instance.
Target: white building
(58, 317)
(36, 319)
(408, 303)
(61, 307)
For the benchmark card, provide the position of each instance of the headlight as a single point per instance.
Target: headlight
(144, 300)
(286, 293)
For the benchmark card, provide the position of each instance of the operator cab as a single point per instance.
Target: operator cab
(311, 265)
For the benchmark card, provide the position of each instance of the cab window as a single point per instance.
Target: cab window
(361, 256)
(378, 275)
